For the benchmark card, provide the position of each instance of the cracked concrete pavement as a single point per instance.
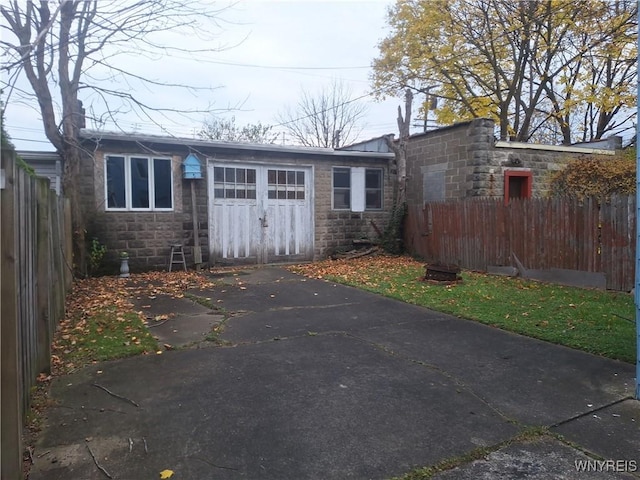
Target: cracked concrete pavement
(323, 381)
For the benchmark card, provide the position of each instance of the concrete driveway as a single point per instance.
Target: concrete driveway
(323, 381)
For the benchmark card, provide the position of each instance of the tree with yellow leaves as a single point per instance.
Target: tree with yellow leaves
(563, 70)
(600, 176)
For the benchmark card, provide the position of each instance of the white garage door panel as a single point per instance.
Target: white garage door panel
(292, 233)
(232, 237)
(260, 229)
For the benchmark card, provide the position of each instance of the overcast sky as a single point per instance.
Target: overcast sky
(281, 48)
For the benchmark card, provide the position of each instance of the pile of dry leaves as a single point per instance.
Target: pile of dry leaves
(358, 270)
(91, 295)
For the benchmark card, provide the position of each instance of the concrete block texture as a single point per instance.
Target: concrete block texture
(473, 165)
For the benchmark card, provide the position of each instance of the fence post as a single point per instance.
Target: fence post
(10, 405)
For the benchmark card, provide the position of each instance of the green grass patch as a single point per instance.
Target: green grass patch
(584, 319)
(107, 335)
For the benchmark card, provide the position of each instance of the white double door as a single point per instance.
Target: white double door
(260, 213)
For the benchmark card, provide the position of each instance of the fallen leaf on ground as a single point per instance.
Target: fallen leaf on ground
(91, 295)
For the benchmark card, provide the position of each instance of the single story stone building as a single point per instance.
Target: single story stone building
(465, 160)
(233, 202)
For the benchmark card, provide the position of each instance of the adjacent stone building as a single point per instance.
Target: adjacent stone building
(464, 160)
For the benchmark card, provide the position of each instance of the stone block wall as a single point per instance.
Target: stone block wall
(539, 163)
(441, 164)
(464, 160)
(147, 236)
(337, 229)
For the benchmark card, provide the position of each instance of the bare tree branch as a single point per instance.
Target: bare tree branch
(327, 119)
(59, 51)
(216, 128)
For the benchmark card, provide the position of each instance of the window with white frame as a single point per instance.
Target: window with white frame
(135, 182)
(357, 188)
(341, 188)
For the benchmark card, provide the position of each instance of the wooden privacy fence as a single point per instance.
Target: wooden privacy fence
(35, 242)
(543, 233)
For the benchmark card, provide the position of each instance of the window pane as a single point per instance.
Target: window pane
(251, 176)
(218, 192)
(162, 183)
(139, 182)
(271, 176)
(374, 199)
(282, 177)
(115, 182)
(218, 174)
(341, 178)
(373, 189)
(291, 178)
(300, 195)
(230, 175)
(341, 198)
(251, 194)
(241, 175)
(299, 178)
(341, 188)
(373, 179)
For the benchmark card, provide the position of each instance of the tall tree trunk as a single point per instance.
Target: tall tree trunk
(392, 240)
(404, 124)
(72, 156)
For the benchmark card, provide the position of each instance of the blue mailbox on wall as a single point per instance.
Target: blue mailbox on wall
(192, 167)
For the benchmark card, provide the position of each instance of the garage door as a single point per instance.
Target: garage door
(260, 213)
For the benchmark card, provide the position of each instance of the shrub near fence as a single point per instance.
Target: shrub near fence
(542, 232)
(35, 236)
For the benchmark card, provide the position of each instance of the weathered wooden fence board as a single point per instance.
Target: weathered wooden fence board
(35, 235)
(11, 373)
(560, 233)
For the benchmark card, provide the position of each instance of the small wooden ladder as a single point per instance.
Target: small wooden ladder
(177, 256)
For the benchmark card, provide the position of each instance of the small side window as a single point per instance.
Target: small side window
(373, 189)
(341, 188)
(517, 184)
